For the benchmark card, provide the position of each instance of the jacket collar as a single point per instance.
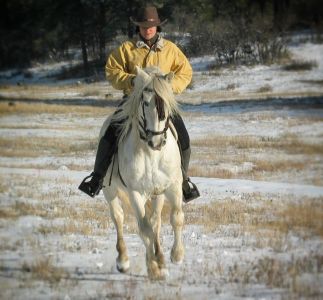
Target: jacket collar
(157, 46)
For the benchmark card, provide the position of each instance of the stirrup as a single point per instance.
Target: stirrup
(193, 192)
(87, 188)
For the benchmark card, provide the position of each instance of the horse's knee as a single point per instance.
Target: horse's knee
(116, 211)
(177, 217)
(155, 222)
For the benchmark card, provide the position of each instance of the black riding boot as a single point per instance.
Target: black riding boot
(190, 190)
(104, 154)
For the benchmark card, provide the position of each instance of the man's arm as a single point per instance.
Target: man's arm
(115, 70)
(183, 71)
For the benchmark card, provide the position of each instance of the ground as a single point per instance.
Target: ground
(255, 232)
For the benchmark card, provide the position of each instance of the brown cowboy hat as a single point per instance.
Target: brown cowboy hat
(147, 17)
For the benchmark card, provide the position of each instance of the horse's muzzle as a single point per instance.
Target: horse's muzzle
(159, 146)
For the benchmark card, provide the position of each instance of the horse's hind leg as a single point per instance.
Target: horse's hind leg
(117, 217)
(174, 195)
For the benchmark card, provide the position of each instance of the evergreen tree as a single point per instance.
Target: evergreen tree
(34, 29)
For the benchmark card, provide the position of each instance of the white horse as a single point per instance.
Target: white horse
(147, 166)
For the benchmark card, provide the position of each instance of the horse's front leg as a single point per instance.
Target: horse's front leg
(157, 206)
(174, 195)
(146, 233)
(117, 217)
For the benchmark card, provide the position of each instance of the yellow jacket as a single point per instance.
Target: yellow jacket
(120, 66)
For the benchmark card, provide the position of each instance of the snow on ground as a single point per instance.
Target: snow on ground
(224, 264)
(40, 73)
(251, 79)
(58, 243)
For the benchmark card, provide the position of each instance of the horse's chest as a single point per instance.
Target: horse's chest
(154, 171)
(149, 174)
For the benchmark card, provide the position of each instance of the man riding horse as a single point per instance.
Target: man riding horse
(148, 49)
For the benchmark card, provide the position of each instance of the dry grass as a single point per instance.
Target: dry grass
(42, 108)
(276, 166)
(36, 146)
(85, 219)
(211, 172)
(306, 216)
(259, 168)
(69, 227)
(231, 87)
(304, 219)
(49, 166)
(265, 89)
(221, 213)
(22, 209)
(225, 157)
(311, 81)
(289, 143)
(277, 273)
(3, 186)
(237, 142)
(37, 91)
(43, 269)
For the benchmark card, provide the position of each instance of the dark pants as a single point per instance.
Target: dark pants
(183, 137)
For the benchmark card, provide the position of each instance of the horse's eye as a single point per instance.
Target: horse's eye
(146, 103)
(148, 90)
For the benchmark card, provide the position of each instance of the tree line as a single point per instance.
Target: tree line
(32, 30)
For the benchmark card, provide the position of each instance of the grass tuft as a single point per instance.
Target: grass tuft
(265, 89)
(27, 147)
(43, 269)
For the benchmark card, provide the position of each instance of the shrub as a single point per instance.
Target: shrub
(300, 65)
(235, 42)
(265, 89)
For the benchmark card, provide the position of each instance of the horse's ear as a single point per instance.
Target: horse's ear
(169, 77)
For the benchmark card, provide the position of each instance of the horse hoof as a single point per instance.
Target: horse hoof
(176, 262)
(158, 277)
(155, 273)
(123, 267)
(177, 256)
(164, 273)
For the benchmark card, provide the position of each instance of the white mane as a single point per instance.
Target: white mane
(129, 110)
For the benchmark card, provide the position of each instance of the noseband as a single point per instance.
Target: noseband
(147, 134)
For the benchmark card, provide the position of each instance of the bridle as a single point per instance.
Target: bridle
(146, 134)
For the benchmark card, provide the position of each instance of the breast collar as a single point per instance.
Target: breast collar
(158, 45)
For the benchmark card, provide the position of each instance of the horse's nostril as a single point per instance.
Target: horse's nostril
(164, 142)
(150, 144)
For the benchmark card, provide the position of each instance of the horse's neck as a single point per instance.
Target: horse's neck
(139, 162)
(138, 145)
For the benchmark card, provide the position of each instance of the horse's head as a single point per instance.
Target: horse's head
(156, 106)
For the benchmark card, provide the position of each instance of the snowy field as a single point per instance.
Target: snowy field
(255, 233)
